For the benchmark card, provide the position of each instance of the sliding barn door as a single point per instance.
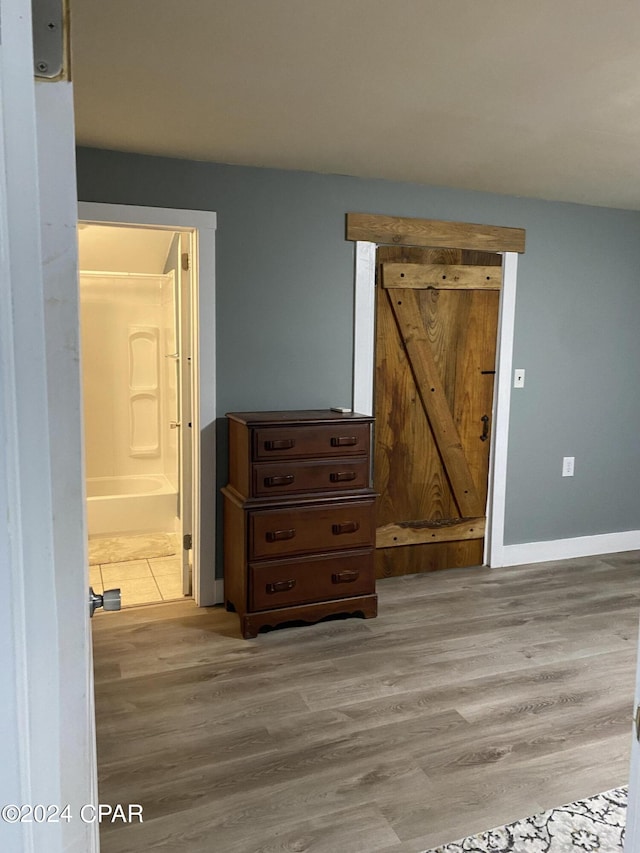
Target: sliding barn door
(436, 332)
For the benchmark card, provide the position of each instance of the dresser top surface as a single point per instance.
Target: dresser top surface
(300, 416)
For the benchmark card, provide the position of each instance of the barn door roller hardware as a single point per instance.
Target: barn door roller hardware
(49, 22)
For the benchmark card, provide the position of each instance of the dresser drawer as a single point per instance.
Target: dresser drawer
(300, 530)
(341, 439)
(283, 583)
(281, 478)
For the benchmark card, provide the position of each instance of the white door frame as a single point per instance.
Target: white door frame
(47, 753)
(206, 590)
(364, 366)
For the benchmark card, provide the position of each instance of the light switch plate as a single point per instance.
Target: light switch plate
(518, 377)
(568, 465)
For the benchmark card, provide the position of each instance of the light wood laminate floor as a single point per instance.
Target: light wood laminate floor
(477, 697)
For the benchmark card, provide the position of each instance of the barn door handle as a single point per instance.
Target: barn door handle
(485, 428)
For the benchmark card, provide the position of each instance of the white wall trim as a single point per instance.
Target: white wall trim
(566, 549)
(364, 374)
(496, 496)
(56, 143)
(21, 284)
(130, 214)
(364, 327)
(204, 223)
(46, 714)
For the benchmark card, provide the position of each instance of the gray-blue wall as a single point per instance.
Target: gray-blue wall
(285, 315)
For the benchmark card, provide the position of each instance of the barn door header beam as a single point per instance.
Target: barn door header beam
(433, 233)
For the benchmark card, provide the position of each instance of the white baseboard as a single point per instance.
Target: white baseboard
(565, 549)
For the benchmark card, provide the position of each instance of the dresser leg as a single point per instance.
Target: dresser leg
(248, 629)
(370, 608)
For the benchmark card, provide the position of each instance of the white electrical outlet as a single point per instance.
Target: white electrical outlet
(518, 378)
(568, 464)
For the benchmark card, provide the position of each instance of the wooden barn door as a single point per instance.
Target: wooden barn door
(436, 333)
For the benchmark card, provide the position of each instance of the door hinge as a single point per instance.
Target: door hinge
(185, 261)
(50, 25)
(187, 542)
(637, 723)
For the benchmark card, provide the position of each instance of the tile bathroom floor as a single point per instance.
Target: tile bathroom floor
(141, 581)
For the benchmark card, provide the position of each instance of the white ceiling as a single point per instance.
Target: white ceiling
(527, 97)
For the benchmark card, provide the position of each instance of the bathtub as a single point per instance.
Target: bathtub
(131, 504)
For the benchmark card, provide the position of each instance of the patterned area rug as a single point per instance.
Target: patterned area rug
(594, 825)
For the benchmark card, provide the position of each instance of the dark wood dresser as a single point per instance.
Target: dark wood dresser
(299, 525)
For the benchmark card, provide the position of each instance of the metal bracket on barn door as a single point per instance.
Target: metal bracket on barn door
(49, 22)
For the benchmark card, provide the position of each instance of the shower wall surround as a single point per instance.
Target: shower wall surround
(144, 391)
(129, 375)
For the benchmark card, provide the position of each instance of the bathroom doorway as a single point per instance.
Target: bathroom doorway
(138, 331)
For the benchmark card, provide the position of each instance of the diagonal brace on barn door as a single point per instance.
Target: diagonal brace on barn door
(406, 309)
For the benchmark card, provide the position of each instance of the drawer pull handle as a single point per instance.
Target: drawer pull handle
(280, 535)
(342, 476)
(280, 444)
(285, 480)
(345, 577)
(343, 441)
(345, 527)
(280, 586)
